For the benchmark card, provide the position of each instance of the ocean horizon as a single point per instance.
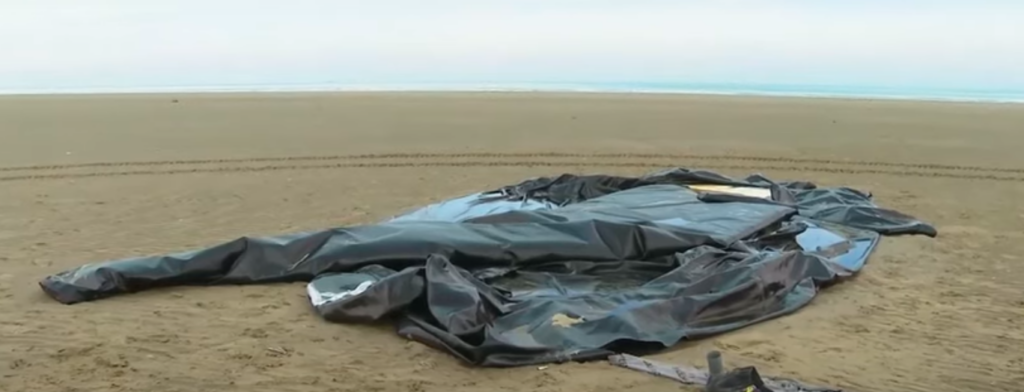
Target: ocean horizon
(930, 51)
(765, 90)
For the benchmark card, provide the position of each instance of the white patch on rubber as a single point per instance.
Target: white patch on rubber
(319, 298)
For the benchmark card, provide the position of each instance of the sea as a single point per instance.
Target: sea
(767, 90)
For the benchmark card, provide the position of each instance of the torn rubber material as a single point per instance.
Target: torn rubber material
(553, 269)
(745, 379)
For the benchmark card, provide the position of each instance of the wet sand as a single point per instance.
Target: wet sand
(91, 178)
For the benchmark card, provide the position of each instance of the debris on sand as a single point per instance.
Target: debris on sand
(716, 378)
(553, 269)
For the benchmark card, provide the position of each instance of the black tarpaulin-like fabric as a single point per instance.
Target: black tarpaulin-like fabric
(553, 269)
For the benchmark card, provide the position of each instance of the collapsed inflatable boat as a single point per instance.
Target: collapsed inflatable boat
(553, 269)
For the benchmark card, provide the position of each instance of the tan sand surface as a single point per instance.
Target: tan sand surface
(933, 315)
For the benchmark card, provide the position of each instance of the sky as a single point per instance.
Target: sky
(126, 44)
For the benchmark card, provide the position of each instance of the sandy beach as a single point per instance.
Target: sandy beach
(92, 178)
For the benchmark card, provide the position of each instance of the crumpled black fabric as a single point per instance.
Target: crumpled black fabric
(589, 265)
(745, 379)
(840, 205)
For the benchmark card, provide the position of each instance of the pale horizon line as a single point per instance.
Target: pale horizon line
(766, 91)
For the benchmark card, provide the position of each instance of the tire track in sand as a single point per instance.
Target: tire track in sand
(499, 155)
(408, 160)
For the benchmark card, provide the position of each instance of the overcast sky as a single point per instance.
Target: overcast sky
(67, 44)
